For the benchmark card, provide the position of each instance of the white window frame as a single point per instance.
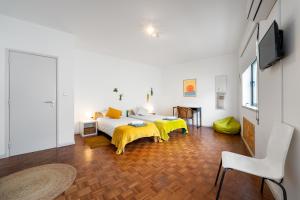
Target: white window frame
(249, 103)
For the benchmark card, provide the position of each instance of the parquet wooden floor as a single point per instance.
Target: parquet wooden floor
(183, 168)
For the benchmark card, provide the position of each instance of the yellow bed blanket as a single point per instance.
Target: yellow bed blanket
(167, 126)
(126, 134)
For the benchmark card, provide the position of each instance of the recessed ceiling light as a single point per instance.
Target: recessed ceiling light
(151, 31)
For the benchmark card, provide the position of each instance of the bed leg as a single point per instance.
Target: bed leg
(155, 139)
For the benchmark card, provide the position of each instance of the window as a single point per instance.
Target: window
(249, 84)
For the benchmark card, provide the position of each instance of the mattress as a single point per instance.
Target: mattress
(149, 118)
(108, 125)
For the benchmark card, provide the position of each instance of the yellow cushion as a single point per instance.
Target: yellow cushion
(113, 113)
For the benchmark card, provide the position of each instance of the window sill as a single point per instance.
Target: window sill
(250, 108)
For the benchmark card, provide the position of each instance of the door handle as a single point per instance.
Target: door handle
(52, 102)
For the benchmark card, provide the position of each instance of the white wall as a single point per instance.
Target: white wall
(278, 93)
(97, 75)
(290, 19)
(204, 71)
(20, 35)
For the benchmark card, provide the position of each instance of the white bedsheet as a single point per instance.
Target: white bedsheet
(149, 118)
(108, 125)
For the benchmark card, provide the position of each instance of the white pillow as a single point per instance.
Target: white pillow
(104, 112)
(137, 122)
(142, 111)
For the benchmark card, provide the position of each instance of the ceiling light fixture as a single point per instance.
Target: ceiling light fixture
(151, 31)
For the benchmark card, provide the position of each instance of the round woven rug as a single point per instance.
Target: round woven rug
(42, 182)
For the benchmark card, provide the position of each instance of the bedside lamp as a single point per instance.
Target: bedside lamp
(89, 115)
(149, 108)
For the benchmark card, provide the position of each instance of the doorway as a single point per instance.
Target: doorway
(32, 102)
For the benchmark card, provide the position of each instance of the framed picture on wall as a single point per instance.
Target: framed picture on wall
(189, 88)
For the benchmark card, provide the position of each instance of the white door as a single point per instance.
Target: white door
(32, 97)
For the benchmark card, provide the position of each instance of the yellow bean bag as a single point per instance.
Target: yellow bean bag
(227, 125)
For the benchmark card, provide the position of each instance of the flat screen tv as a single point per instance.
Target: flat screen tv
(271, 47)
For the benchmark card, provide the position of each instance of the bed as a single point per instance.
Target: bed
(122, 133)
(164, 126)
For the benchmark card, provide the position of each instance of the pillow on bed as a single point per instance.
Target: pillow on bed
(104, 112)
(142, 111)
(113, 113)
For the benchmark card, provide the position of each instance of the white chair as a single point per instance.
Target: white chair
(269, 168)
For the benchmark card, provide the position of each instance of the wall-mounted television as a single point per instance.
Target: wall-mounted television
(271, 47)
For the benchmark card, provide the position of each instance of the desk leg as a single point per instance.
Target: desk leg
(199, 118)
(197, 123)
(200, 113)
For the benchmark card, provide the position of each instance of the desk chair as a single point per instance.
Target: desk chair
(185, 113)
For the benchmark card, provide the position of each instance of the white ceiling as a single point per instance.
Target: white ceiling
(189, 29)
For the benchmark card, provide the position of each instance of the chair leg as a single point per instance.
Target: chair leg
(284, 192)
(262, 185)
(218, 172)
(221, 183)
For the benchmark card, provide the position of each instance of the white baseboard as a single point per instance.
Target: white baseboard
(65, 144)
(3, 156)
(59, 145)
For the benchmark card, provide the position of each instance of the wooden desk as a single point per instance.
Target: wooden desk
(197, 110)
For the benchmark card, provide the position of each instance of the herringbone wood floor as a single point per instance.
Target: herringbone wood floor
(183, 168)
